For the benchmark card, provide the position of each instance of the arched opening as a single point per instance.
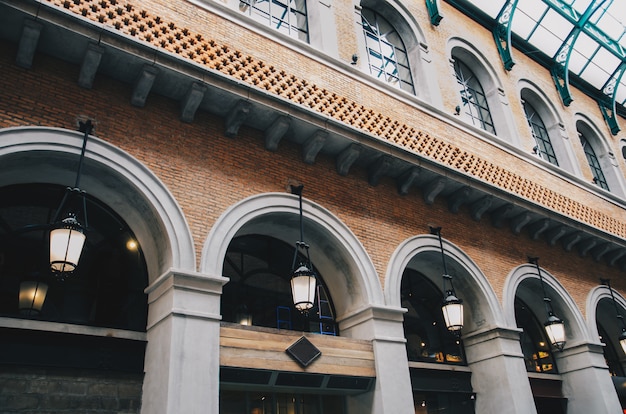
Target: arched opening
(92, 328)
(609, 324)
(258, 292)
(443, 378)
(539, 354)
(253, 244)
(107, 287)
(535, 345)
(428, 340)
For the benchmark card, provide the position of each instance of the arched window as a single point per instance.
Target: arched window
(287, 16)
(535, 346)
(543, 146)
(259, 292)
(386, 53)
(594, 163)
(474, 102)
(428, 339)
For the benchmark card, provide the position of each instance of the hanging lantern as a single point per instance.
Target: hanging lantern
(303, 285)
(303, 281)
(66, 245)
(452, 312)
(67, 237)
(555, 329)
(32, 296)
(622, 340)
(452, 307)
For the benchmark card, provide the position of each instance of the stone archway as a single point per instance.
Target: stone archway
(349, 275)
(334, 248)
(49, 155)
(586, 382)
(491, 345)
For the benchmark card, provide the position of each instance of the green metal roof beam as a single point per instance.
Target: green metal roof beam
(590, 29)
(502, 33)
(433, 12)
(561, 59)
(608, 106)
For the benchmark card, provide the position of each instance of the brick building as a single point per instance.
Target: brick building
(415, 148)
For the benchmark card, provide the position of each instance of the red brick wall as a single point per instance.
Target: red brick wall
(207, 172)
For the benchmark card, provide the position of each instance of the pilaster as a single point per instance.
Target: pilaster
(182, 355)
(499, 376)
(587, 384)
(383, 326)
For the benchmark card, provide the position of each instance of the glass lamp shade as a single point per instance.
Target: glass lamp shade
(32, 296)
(303, 288)
(622, 339)
(243, 316)
(453, 312)
(66, 245)
(555, 328)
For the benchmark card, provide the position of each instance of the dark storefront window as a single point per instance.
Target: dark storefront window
(535, 345)
(443, 402)
(257, 402)
(259, 290)
(106, 290)
(107, 287)
(428, 340)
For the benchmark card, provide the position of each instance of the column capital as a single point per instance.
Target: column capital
(184, 293)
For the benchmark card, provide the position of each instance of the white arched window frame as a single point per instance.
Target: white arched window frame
(419, 63)
(607, 162)
(287, 16)
(304, 21)
(499, 108)
(535, 102)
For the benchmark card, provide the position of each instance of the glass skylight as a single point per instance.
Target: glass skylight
(598, 51)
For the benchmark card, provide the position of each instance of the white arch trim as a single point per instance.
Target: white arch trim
(235, 217)
(591, 305)
(411, 247)
(572, 315)
(26, 142)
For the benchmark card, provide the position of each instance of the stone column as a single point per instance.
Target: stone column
(587, 384)
(182, 355)
(499, 376)
(383, 326)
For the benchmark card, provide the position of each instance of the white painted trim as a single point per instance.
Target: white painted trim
(26, 142)
(412, 247)
(569, 312)
(362, 281)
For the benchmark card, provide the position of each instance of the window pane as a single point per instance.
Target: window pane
(428, 339)
(535, 345)
(540, 133)
(385, 44)
(287, 17)
(594, 163)
(475, 106)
